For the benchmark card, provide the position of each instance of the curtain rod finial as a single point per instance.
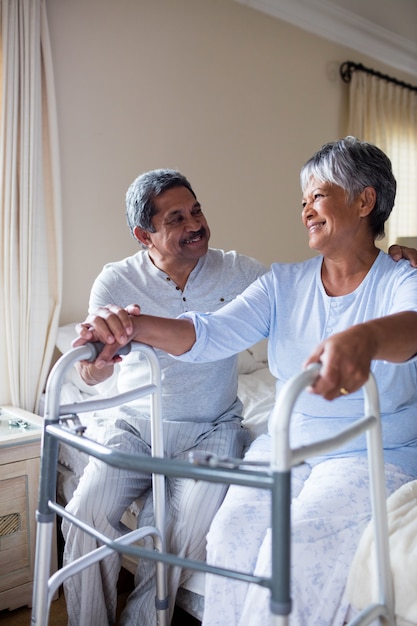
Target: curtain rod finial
(346, 71)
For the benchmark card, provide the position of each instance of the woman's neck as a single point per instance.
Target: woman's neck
(341, 276)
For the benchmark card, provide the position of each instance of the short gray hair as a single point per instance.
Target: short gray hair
(140, 197)
(353, 165)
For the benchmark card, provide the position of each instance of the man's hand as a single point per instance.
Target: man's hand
(402, 252)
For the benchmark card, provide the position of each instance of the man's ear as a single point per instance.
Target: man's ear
(368, 200)
(143, 236)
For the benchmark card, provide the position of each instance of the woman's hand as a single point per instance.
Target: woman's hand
(346, 357)
(111, 325)
(345, 362)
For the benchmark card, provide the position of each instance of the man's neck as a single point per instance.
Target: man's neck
(177, 271)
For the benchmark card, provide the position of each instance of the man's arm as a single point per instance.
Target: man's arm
(346, 357)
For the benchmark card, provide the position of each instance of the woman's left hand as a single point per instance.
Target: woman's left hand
(345, 363)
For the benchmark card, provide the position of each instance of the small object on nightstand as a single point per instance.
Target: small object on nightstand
(18, 423)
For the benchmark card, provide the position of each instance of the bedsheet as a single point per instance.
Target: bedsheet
(402, 527)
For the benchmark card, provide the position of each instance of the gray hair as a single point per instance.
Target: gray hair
(140, 197)
(353, 165)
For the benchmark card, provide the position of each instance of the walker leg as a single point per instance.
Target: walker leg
(40, 601)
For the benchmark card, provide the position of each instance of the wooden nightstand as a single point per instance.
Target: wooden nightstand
(20, 437)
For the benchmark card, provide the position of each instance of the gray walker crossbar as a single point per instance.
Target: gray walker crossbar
(276, 477)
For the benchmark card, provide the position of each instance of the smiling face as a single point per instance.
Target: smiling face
(332, 221)
(181, 231)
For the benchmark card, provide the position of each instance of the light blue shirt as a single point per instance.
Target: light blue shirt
(290, 306)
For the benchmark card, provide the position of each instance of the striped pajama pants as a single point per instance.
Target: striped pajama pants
(103, 495)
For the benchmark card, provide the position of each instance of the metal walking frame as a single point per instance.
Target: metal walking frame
(61, 424)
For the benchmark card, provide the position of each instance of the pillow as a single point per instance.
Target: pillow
(66, 334)
(253, 358)
(257, 393)
(260, 351)
(246, 363)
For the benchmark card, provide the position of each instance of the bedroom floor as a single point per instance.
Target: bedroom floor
(58, 610)
(58, 613)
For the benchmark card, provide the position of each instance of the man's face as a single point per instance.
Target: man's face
(181, 230)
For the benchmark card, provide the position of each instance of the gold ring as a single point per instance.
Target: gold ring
(343, 391)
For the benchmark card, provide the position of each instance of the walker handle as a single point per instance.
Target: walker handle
(98, 346)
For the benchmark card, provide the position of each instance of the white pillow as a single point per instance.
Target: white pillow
(260, 351)
(66, 334)
(257, 392)
(246, 363)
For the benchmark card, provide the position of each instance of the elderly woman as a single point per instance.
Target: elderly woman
(348, 193)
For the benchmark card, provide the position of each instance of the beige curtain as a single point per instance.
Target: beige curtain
(30, 213)
(386, 114)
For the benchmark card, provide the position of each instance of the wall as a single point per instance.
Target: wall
(235, 99)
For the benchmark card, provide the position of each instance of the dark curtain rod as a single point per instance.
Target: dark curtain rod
(348, 67)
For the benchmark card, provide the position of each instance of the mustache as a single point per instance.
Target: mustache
(201, 232)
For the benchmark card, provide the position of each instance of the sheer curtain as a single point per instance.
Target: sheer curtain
(30, 212)
(386, 114)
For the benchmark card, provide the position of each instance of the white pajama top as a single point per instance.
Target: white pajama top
(193, 393)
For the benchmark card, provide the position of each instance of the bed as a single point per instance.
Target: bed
(257, 392)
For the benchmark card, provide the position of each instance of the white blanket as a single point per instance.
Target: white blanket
(402, 524)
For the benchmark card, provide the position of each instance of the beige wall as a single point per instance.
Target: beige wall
(235, 99)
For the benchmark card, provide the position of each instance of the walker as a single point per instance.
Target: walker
(61, 424)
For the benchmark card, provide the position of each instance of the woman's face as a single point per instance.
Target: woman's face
(331, 220)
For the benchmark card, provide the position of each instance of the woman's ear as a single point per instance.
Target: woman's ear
(143, 236)
(368, 200)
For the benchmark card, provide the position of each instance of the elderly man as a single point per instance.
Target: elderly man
(176, 271)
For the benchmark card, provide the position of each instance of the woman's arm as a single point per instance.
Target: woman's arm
(115, 327)
(346, 357)
(175, 336)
